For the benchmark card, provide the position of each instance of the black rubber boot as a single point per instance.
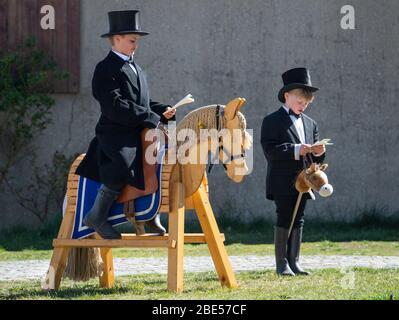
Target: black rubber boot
(294, 247)
(97, 218)
(280, 242)
(156, 226)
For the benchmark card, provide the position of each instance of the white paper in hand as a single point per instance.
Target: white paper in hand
(186, 100)
(324, 142)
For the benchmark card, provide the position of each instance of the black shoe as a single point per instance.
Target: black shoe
(294, 246)
(97, 217)
(280, 242)
(156, 226)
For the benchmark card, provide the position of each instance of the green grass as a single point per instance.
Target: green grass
(367, 236)
(329, 284)
(358, 248)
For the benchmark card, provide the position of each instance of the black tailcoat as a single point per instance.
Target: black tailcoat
(278, 139)
(115, 154)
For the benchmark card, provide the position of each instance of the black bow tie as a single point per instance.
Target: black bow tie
(292, 113)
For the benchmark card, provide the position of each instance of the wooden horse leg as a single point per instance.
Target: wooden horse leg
(107, 279)
(54, 274)
(212, 235)
(176, 239)
(59, 258)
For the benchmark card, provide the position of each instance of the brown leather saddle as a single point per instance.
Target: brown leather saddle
(129, 193)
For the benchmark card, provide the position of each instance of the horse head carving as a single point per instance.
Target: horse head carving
(220, 130)
(314, 178)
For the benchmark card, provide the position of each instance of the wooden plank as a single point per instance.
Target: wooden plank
(212, 234)
(73, 184)
(165, 184)
(3, 24)
(72, 195)
(73, 178)
(73, 45)
(165, 176)
(75, 166)
(12, 30)
(94, 243)
(165, 201)
(164, 209)
(176, 234)
(189, 238)
(167, 169)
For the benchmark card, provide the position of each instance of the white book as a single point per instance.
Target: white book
(186, 100)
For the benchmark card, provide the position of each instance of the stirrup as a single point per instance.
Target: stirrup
(131, 217)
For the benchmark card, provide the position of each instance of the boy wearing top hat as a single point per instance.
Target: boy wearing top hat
(287, 138)
(114, 157)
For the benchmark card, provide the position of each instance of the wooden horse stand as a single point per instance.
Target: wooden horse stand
(173, 203)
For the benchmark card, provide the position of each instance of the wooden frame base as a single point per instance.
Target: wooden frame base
(174, 242)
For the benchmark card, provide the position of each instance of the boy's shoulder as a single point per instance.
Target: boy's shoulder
(108, 63)
(274, 115)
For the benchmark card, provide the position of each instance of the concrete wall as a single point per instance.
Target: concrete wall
(220, 49)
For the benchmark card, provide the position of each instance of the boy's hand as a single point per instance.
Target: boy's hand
(169, 113)
(305, 149)
(319, 149)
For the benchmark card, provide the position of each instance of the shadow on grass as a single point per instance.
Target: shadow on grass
(150, 286)
(34, 292)
(368, 227)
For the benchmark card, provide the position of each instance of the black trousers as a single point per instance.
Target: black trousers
(285, 206)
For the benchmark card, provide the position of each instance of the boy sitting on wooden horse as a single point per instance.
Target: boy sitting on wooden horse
(287, 139)
(115, 157)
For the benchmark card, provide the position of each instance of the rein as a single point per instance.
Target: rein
(230, 157)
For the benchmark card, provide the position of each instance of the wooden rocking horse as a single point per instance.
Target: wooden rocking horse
(184, 186)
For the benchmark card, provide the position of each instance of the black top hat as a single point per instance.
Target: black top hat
(298, 78)
(124, 22)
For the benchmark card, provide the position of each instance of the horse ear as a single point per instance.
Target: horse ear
(324, 167)
(312, 168)
(243, 102)
(232, 108)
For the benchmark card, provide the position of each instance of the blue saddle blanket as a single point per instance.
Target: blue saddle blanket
(145, 207)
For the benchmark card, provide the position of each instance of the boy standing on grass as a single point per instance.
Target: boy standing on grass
(115, 155)
(287, 139)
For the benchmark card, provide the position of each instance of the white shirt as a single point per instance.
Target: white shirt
(298, 123)
(125, 58)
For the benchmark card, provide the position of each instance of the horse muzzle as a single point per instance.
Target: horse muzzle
(326, 190)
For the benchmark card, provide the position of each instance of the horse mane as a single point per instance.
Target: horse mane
(205, 118)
